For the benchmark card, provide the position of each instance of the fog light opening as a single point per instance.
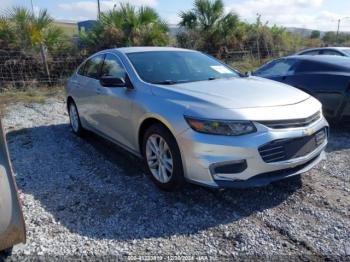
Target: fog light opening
(232, 167)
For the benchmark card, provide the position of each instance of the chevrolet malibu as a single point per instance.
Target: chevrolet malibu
(191, 117)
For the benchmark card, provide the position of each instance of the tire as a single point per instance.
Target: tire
(74, 119)
(167, 176)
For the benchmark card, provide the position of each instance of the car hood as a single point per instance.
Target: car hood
(234, 93)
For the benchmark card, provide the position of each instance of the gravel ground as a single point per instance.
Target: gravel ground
(88, 198)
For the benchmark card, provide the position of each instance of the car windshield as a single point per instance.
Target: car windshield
(172, 67)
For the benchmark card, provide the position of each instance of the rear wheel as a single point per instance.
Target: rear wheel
(163, 158)
(75, 119)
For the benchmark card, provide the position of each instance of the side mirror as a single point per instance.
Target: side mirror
(111, 81)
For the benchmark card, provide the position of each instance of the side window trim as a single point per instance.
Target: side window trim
(81, 69)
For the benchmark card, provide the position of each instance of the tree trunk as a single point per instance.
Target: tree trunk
(46, 66)
(258, 49)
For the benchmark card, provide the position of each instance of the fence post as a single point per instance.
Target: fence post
(46, 66)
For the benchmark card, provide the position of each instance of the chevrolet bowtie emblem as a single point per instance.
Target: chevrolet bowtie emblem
(309, 131)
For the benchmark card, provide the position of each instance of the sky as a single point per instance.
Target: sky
(312, 14)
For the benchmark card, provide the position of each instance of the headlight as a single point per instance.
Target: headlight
(221, 127)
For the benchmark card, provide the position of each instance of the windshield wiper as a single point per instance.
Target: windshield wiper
(170, 82)
(214, 78)
(165, 82)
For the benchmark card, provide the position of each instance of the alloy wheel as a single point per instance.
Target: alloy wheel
(159, 158)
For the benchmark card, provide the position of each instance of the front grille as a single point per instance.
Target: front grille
(285, 172)
(286, 149)
(278, 124)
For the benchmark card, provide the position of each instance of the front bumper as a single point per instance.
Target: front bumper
(202, 152)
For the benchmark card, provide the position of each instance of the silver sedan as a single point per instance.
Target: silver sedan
(191, 117)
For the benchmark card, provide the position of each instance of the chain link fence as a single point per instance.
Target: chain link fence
(20, 70)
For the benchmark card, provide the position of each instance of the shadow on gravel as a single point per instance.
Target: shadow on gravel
(339, 138)
(95, 189)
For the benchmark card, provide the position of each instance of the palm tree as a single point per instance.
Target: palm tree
(33, 32)
(39, 28)
(208, 20)
(6, 34)
(29, 31)
(127, 26)
(20, 20)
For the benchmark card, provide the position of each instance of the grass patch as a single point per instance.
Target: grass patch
(29, 95)
(249, 64)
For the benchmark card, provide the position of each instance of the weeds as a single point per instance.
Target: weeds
(29, 95)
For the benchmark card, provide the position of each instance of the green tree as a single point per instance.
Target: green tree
(43, 32)
(19, 19)
(6, 34)
(315, 34)
(214, 29)
(30, 32)
(209, 28)
(27, 31)
(330, 37)
(127, 26)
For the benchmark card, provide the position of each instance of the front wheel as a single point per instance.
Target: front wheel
(163, 158)
(75, 119)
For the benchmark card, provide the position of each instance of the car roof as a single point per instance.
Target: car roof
(339, 48)
(329, 59)
(139, 49)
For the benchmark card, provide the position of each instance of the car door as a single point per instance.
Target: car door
(115, 103)
(328, 83)
(12, 228)
(87, 91)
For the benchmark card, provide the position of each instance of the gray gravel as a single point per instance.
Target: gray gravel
(89, 198)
